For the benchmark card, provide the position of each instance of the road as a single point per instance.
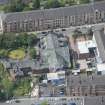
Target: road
(89, 100)
(22, 102)
(82, 28)
(50, 100)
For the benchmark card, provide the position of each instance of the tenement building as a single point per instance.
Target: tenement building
(86, 85)
(53, 18)
(99, 35)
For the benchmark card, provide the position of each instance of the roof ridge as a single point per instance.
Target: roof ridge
(42, 10)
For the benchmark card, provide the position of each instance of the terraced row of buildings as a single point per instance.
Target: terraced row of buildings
(63, 17)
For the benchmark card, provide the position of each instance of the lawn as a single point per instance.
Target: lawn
(1, 7)
(22, 88)
(18, 54)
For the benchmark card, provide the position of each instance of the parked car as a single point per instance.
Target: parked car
(72, 103)
(17, 101)
(63, 29)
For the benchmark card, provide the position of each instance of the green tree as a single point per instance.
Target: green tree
(1, 72)
(33, 53)
(52, 4)
(19, 6)
(13, 41)
(21, 40)
(36, 4)
(8, 40)
(6, 84)
(27, 8)
(84, 1)
(2, 95)
(71, 2)
(14, 6)
(10, 7)
(9, 88)
(22, 87)
(3, 53)
(44, 103)
(32, 40)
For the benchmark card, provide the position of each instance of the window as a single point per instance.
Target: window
(30, 25)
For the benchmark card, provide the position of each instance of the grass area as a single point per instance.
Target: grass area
(18, 54)
(22, 88)
(1, 7)
(3, 53)
(44, 103)
(5, 83)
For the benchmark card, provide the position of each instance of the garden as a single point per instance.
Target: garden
(16, 47)
(9, 88)
(17, 54)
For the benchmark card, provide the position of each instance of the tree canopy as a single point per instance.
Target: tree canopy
(44, 103)
(19, 5)
(84, 1)
(53, 4)
(14, 6)
(9, 88)
(36, 4)
(33, 53)
(14, 41)
(5, 83)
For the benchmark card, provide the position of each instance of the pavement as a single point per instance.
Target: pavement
(88, 100)
(22, 102)
(50, 100)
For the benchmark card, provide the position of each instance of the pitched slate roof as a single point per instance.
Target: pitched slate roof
(100, 40)
(3, 2)
(96, 80)
(56, 51)
(53, 13)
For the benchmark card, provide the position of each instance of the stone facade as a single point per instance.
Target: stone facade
(63, 17)
(86, 86)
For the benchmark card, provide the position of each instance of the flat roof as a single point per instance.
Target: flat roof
(84, 46)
